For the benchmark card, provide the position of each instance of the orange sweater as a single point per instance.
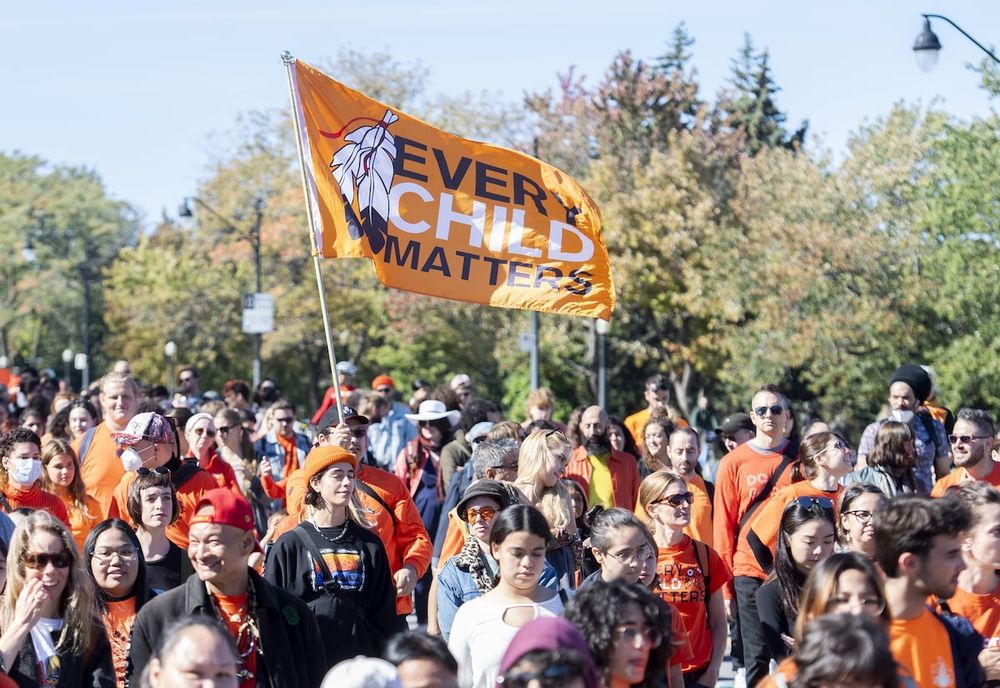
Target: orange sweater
(742, 473)
(624, 475)
(766, 523)
(35, 498)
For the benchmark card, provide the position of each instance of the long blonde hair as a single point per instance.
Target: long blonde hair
(653, 487)
(54, 448)
(77, 605)
(555, 502)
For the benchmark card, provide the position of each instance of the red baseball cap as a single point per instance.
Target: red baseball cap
(228, 509)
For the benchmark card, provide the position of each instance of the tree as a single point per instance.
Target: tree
(751, 108)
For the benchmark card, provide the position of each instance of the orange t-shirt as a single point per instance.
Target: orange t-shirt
(81, 521)
(233, 608)
(35, 498)
(188, 497)
(118, 621)
(982, 610)
(766, 523)
(922, 645)
(682, 584)
(101, 470)
(960, 475)
(742, 473)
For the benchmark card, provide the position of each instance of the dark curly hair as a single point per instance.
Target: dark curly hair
(597, 610)
(59, 427)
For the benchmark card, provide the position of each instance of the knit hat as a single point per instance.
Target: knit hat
(916, 377)
(550, 633)
(383, 381)
(320, 458)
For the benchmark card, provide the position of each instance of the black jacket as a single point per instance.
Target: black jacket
(93, 670)
(291, 649)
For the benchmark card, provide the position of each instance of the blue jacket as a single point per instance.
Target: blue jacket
(456, 587)
(268, 447)
(388, 437)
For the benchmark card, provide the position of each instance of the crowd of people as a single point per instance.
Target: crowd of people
(223, 539)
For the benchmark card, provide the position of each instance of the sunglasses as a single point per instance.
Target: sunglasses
(359, 432)
(204, 431)
(162, 470)
(966, 439)
(287, 419)
(39, 560)
(775, 410)
(185, 379)
(224, 429)
(808, 502)
(384, 390)
(474, 513)
(677, 500)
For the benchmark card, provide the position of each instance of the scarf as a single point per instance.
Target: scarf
(470, 560)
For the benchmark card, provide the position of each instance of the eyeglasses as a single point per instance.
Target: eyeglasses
(775, 410)
(677, 500)
(286, 419)
(224, 429)
(630, 634)
(628, 557)
(808, 502)
(966, 439)
(875, 605)
(162, 470)
(554, 676)
(474, 513)
(124, 554)
(861, 515)
(39, 560)
(359, 432)
(204, 431)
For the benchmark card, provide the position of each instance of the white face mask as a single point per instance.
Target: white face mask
(26, 471)
(901, 415)
(131, 460)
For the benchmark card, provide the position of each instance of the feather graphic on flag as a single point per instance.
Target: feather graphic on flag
(363, 169)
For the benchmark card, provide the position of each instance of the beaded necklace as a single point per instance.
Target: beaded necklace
(248, 635)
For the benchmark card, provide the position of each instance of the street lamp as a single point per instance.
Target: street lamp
(601, 327)
(254, 238)
(927, 47)
(67, 357)
(170, 349)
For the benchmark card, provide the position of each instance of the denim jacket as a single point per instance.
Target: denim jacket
(456, 587)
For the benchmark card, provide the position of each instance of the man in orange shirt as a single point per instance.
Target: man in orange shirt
(397, 520)
(150, 443)
(746, 476)
(100, 468)
(657, 396)
(609, 477)
(918, 542)
(972, 444)
(683, 452)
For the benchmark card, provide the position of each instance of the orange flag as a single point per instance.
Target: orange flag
(445, 216)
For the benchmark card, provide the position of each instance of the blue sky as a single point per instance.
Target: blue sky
(138, 92)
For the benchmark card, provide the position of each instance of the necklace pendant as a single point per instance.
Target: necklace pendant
(244, 675)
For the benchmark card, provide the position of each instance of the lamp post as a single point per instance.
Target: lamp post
(170, 350)
(927, 47)
(601, 327)
(253, 236)
(67, 357)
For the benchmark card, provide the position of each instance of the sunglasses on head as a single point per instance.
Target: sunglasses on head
(162, 470)
(824, 503)
(39, 560)
(775, 410)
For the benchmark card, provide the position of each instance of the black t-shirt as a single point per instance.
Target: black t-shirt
(165, 574)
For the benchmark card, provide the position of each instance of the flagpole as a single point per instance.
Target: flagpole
(289, 61)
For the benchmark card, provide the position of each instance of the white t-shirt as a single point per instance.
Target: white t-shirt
(41, 638)
(479, 637)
